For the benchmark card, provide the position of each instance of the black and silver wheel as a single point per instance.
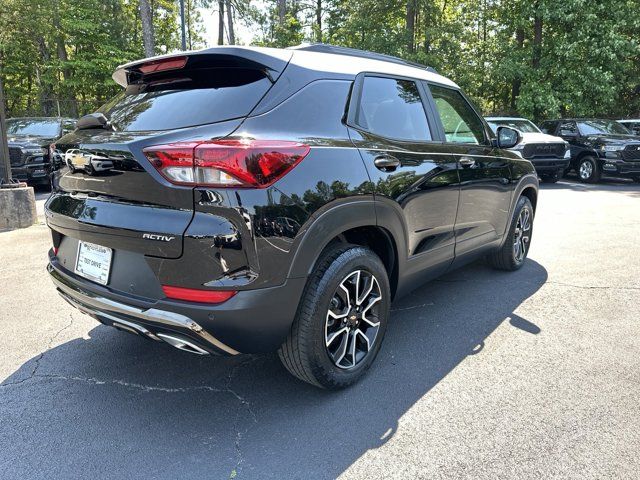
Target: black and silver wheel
(352, 324)
(588, 170)
(522, 235)
(341, 319)
(512, 254)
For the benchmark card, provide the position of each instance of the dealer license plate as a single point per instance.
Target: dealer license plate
(94, 262)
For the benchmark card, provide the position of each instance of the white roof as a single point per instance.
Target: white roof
(352, 65)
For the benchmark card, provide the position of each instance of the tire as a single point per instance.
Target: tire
(589, 170)
(312, 349)
(508, 257)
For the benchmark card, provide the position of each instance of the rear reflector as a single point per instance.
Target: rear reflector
(155, 66)
(195, 295)
(226, 163)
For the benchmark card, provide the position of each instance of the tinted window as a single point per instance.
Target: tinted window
(32, 126)
(567, 129)
(187, 98)
(392, 108)
(461, 123)
(548, 127)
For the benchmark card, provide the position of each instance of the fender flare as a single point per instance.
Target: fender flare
(338, 218)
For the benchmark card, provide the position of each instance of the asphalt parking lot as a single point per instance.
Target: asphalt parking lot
(483, 374)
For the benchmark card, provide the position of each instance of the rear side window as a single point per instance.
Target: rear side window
(187, 98)
(548, 127)
(392, 108)
(461, 123)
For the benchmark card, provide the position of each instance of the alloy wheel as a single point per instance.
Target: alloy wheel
(522, 235)
(352, 324)
(586, 170)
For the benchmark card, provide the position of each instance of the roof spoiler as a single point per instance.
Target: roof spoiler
(271, 60)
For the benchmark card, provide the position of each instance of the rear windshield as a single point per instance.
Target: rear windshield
(187, 98)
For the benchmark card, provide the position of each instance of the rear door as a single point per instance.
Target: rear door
(114, 196)
(485, 175)
(410, 171)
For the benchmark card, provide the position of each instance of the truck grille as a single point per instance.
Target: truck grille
(631, 153)
(15, 156)
(547, 150)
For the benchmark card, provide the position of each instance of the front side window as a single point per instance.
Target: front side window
(568, 129)
(392, 108)
(461, 123)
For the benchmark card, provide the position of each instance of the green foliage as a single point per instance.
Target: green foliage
(536, 58)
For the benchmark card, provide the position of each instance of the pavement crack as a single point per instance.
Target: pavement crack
(592, 287)
(36, 364)
(412, 307)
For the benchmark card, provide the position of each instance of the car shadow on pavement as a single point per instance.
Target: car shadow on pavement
(115, 405)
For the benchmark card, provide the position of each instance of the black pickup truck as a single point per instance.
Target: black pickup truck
(598, 147)
(29, 141)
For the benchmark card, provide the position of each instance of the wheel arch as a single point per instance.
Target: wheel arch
(350, 222)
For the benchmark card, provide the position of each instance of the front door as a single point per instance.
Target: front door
(485, 176)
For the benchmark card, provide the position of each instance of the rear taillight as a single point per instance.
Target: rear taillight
(195, 295)
(226, 163)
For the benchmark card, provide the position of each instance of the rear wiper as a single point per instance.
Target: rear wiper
(93, 120)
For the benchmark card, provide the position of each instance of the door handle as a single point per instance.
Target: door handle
(467, 162)
(386, 163)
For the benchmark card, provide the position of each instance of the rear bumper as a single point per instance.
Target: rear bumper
(252, 321)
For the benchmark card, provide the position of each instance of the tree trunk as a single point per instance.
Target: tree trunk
(537, 52)
(411, 24)
(517, 82)
(232, 33)
(147, 28)
(282, 11)
(46, 89)
(220, 22)
(319, 20)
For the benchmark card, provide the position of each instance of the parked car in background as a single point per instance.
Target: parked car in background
(549, 154)
(598, 147)
(29, 141)
(282, 203)
(633, 124)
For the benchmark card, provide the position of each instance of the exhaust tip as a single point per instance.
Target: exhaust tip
(182, 344)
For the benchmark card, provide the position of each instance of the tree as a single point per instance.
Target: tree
(147, 28)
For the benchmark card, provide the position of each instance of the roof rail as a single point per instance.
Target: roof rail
(354, 52)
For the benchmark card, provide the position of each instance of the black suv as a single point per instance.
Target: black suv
(29, 141)
(280, 199)
(598, 147)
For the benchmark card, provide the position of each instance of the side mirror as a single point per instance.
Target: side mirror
(508, 137)
(92, 120)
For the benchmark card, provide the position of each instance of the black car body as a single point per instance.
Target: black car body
(598, 147)
(29, 141)
(549, 154)
(240, 174)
